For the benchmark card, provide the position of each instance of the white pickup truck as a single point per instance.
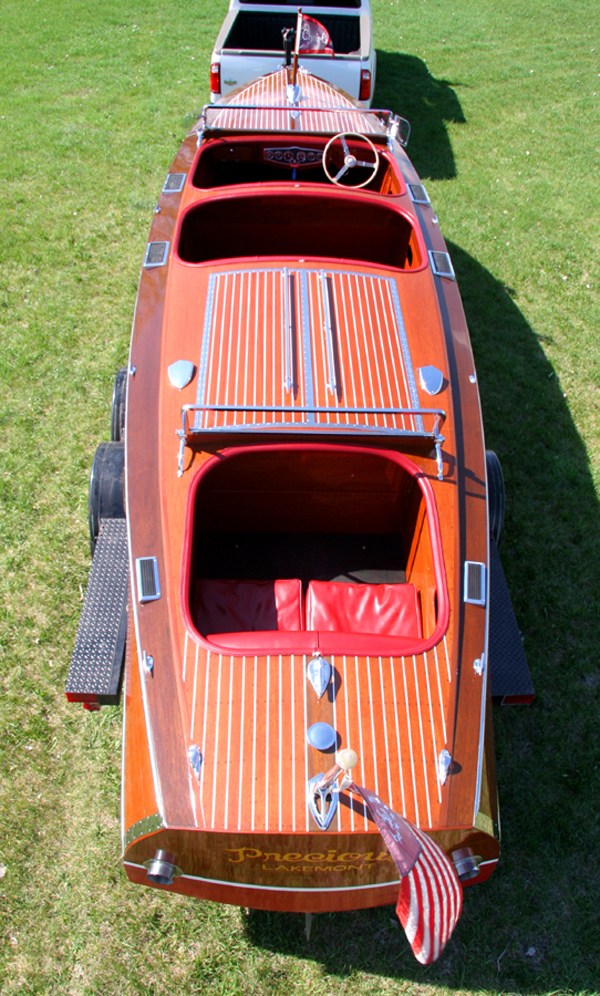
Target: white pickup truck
(250, 44)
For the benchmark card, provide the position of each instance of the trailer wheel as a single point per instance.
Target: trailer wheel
(106, 487)
(117, 408)
(495, 480)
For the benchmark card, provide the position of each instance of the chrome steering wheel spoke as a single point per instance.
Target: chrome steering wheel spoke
(350, 160)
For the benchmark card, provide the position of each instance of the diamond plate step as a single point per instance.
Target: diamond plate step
(509, 670)
(97, 662)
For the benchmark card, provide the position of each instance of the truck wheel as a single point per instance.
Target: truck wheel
(106, 487)
(495, 481)
(117, 408)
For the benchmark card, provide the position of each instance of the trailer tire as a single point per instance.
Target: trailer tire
(495, 481)
(106, 499)
(117, 408)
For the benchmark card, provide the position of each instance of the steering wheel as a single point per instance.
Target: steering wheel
(350, 161)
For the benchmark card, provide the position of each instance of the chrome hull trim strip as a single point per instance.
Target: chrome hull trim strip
(277, 888)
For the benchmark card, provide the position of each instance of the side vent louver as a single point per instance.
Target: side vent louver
(441, 264)
(418, 193)
(174, 183)
(474, 582)
(156, 254)
(146, 569)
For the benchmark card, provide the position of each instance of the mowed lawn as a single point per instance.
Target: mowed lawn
(504, 100)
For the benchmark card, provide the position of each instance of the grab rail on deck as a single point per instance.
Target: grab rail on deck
(386, 124)
(188, 432)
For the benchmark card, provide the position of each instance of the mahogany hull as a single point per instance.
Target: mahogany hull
(239, 824)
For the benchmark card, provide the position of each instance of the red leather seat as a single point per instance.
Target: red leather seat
(380, 609)
(248, 606)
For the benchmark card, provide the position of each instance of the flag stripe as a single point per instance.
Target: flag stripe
(430, 895)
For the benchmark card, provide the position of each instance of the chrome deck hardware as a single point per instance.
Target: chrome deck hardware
(195, 759)
(444, 765)
(318, 673)
(322, 803)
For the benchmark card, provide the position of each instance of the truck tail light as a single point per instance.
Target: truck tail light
(215, 77)
(365, 85)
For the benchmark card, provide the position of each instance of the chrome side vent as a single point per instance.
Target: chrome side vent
(146, 571)
(474, 582)
(441, 264)
(156, 254)
(174, 183)
(418, 193)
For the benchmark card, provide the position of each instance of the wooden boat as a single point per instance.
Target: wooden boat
(306, 515)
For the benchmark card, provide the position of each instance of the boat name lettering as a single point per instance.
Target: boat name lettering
(240, 854)
(310, 869)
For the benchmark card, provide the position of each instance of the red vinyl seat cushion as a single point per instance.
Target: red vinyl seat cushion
(248, 606)
(378, 609)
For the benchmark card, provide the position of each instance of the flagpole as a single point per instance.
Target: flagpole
(297, 46)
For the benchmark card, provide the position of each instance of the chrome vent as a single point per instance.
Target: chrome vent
(156, 254)
(441, 264)
(146, 569)
(174, 183)
(418, 193)
(474, 582)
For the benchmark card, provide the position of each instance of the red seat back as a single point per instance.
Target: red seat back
(248, 606)
(379, 609)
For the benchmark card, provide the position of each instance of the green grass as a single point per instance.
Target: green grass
(504, 99)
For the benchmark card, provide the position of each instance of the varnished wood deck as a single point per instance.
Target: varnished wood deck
(249, 716)
(297, 337)
(269, 93)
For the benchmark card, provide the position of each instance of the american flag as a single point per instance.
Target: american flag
(430, 900)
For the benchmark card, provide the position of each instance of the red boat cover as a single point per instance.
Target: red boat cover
(379, 609)
(248, 606)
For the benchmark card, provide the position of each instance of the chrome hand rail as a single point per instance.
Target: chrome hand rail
(187, 432)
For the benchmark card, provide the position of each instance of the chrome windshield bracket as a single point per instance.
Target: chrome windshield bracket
(398, 129)
(201, 129)
(181, 434)
(438, 455)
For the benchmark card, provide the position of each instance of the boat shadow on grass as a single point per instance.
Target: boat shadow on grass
(405, 86)
(534, 926)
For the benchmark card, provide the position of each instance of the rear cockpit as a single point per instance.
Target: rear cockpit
(313, 545)
(327, 224)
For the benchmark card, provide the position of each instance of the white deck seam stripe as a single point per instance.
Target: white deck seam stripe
(252, 818)
(243, 713)
(226, 819)
(410, 740)
(216, 747)
(423, 758)
(400, 765)
(434, 738)
(385, 735)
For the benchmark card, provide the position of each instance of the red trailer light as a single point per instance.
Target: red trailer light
(215, 77)
(365, 85)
